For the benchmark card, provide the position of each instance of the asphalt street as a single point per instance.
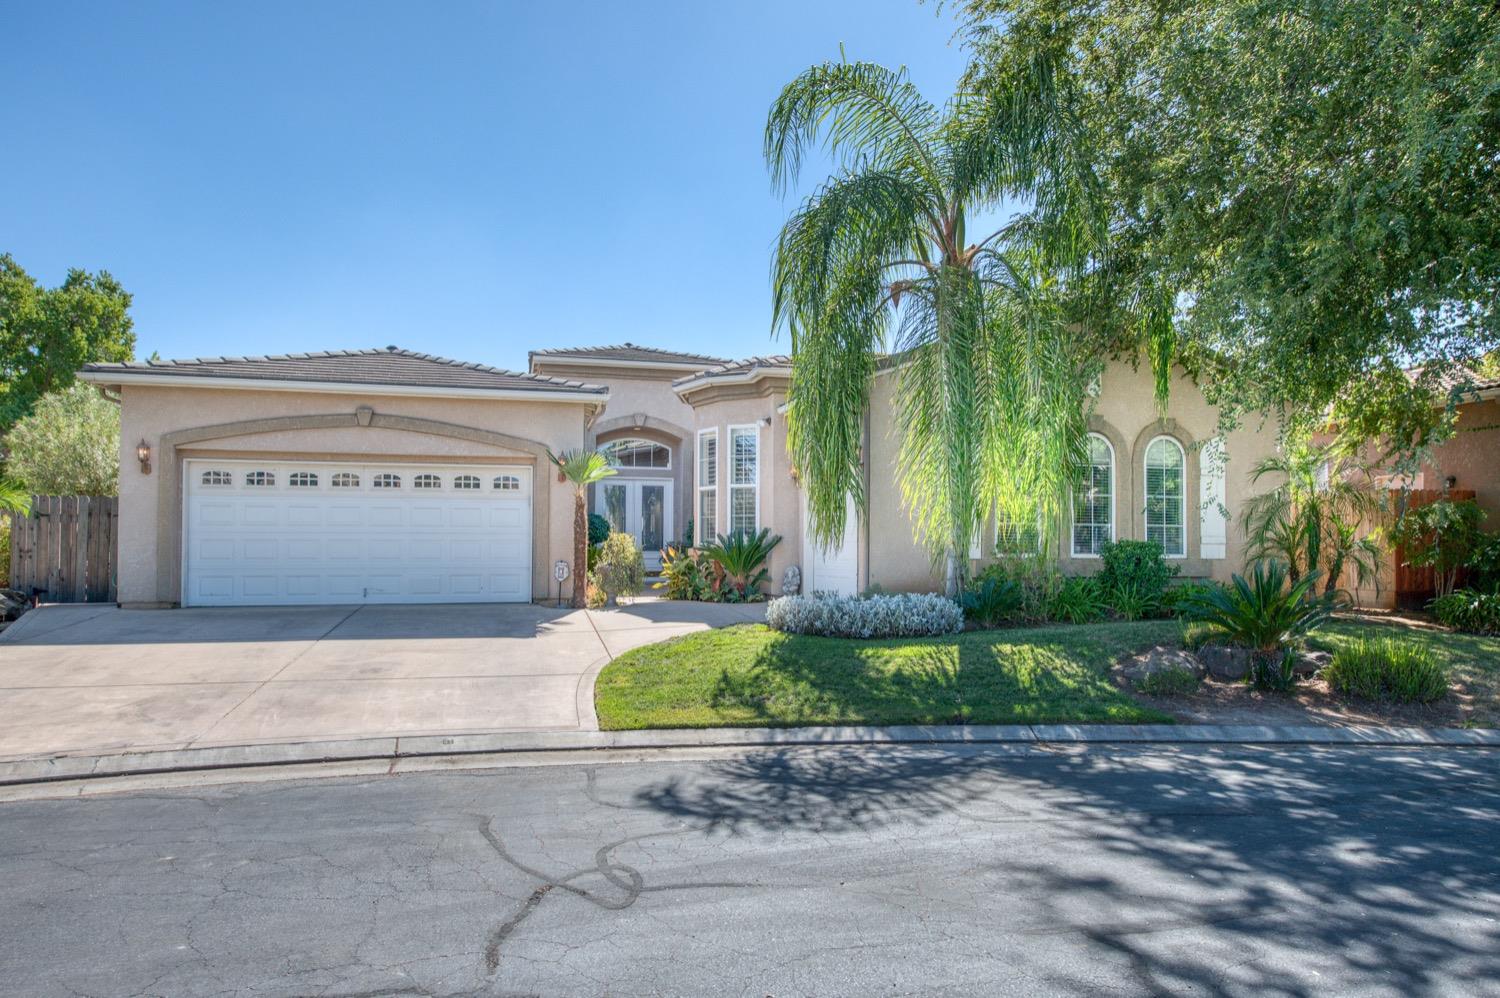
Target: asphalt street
(872, 871)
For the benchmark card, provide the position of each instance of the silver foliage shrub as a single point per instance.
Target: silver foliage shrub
(880, 616)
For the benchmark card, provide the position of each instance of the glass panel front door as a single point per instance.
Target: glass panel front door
(642, 509)
(653, 518)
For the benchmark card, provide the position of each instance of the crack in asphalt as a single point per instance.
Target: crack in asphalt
(621, 875)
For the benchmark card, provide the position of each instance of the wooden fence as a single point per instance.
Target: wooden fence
(66, 551)
(1414, 586)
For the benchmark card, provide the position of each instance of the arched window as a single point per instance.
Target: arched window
(302, 480)
(387, 481)
(1094, 499)
(427, 482)
(634, 453)
(1166, 492)
(217, 478)
(507, 483)
(260, 478)
(466, 482)
(346, 480)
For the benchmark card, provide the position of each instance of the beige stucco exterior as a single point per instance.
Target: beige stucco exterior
(754, 405)
(182, 423)
(891, 556)
(642, 405)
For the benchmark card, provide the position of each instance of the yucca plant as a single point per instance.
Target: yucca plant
(1265, 614)
(990, 344)
(742, 558)
(581, 468)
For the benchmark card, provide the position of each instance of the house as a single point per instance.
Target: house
(1465, 466)
(394, 476)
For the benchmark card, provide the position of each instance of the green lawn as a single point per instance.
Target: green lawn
(751, 676)
(1472, 661)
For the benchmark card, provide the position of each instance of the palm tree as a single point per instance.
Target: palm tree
(991, 354)
(582, 467)
(1311, 522)
(14, 498)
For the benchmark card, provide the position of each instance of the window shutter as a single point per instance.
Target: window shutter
(1213, 541)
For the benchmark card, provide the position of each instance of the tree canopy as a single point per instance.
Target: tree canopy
(68, 445)
(1313, 183)
(47, 334)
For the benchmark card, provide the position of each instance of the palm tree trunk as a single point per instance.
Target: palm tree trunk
(580, 550)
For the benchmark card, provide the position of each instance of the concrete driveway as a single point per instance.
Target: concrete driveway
(93, 679)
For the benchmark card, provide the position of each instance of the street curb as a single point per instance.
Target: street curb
(89, 767)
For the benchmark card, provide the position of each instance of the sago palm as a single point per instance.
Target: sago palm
(984, 336)
(581, 467)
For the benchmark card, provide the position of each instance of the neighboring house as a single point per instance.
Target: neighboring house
(393, 476)
(1464, 466)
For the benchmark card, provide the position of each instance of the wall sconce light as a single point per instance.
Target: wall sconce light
(1450, 481)
(143, 455)
(765, 421)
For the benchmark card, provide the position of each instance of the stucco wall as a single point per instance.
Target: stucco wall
(150, 505)
(779, 500)
(641, 404)
(1126, 415)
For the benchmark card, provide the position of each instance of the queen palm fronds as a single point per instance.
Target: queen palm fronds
(987, 338)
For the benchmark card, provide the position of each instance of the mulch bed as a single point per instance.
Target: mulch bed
(1217, 701)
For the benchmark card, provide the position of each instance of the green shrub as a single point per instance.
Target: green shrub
(1079, 600)
(1168, 682)
(598, 529)
(741, 558)
(1484, 563)
(1196, 634)
(684, 575)
(1264, 614)
(1136, 567)
(1173, 598)
(1467, 610)
(1387, 669)
(621, 569)
(1131, 601)
(991, 599)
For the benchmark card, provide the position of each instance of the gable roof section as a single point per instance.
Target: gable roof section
(749, 369)
(391, 369)
(627, 354)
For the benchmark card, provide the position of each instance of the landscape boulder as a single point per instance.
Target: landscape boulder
(1159, 660)
(1226, 661)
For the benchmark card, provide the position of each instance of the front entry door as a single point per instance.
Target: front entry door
(641, 508)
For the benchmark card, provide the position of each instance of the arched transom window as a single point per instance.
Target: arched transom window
(346, 480)
(427, 482)
(260, 479)
(1166, 495)
(466, 482)
(507, 483)
(1094, 499)
(387, 481)
(217, 478)
(302, 480)
(634, 453)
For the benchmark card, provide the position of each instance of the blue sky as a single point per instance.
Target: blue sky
(469, 179)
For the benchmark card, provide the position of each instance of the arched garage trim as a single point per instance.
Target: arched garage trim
(169, 484)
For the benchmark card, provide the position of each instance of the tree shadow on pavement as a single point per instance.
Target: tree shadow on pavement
(1215, 871)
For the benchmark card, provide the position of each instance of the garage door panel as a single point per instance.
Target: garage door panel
(302, 539)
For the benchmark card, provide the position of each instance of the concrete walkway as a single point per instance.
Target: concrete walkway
(96, 679)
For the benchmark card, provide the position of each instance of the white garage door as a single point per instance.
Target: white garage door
(273, 533)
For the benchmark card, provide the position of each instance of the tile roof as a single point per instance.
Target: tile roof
(630, 352)
(1456, 377)
(390, 366)
(736, 367)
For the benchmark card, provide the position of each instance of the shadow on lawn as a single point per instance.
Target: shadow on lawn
(1296, 872)
(989, 677)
